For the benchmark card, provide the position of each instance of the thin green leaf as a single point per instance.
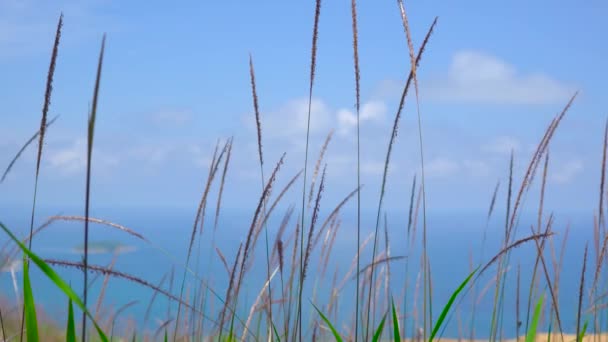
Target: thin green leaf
(31, 324)
(378, 332)
(549, 333)
(580, 337)
(276, 333)
(231, 333)
(71, 330)
(396, 334)
(531, 335)
(331, 327)
(55, 278)
(166, 336)
(447, 307)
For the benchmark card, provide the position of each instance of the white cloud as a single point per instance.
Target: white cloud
(441, 167)
(502, 145)
(477, 168)
(567, 172)
(291, 119)
(375, 168)
(370, 111)
(71, 159)
(481, 78)
(176, 117)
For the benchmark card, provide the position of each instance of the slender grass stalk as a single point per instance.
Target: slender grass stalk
(508, 248)
(497, 303)
(601, 224)
(90, 135)
(538, 154)
(248, 245)
(213, 169)
(313, 64)
(153, 299)
(255, 304)
(387, 279)
(120, 310)
(383, 260)
(2, 329)
(41, 135)
(410, 245)
(104, 286)
(580, 298)
(223, 259)
(310, 243)
(199, 219)
(602, 252)
(533, 282)
(414, 66)
(265, 226)
(292, 272)
(229, 290)
(317, 168)
(482, 253)
(281, 256)
(222, 182)
(517, 295)
(353, 7)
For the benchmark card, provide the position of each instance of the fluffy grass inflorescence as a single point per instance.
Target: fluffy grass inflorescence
(299, 254)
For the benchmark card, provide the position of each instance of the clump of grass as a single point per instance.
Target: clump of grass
(189, 325)
(199, 219)
(389, 152)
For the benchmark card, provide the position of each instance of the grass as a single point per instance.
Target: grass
(277, 310)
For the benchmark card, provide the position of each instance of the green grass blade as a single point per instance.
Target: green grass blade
(166, 336)
(31, 324)
(549, 333)
(447, 307)
(276, 333)
(396, 334)
(331, 327)
(231, 332)
(55, 278)
(531, 334)
(71, 329)
(580, 337)
(378, 332)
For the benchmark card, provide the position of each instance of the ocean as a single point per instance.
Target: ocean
(454, 246)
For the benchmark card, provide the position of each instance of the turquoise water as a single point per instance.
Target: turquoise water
(453, 238)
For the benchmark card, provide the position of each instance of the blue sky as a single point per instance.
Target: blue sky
(176, 79)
